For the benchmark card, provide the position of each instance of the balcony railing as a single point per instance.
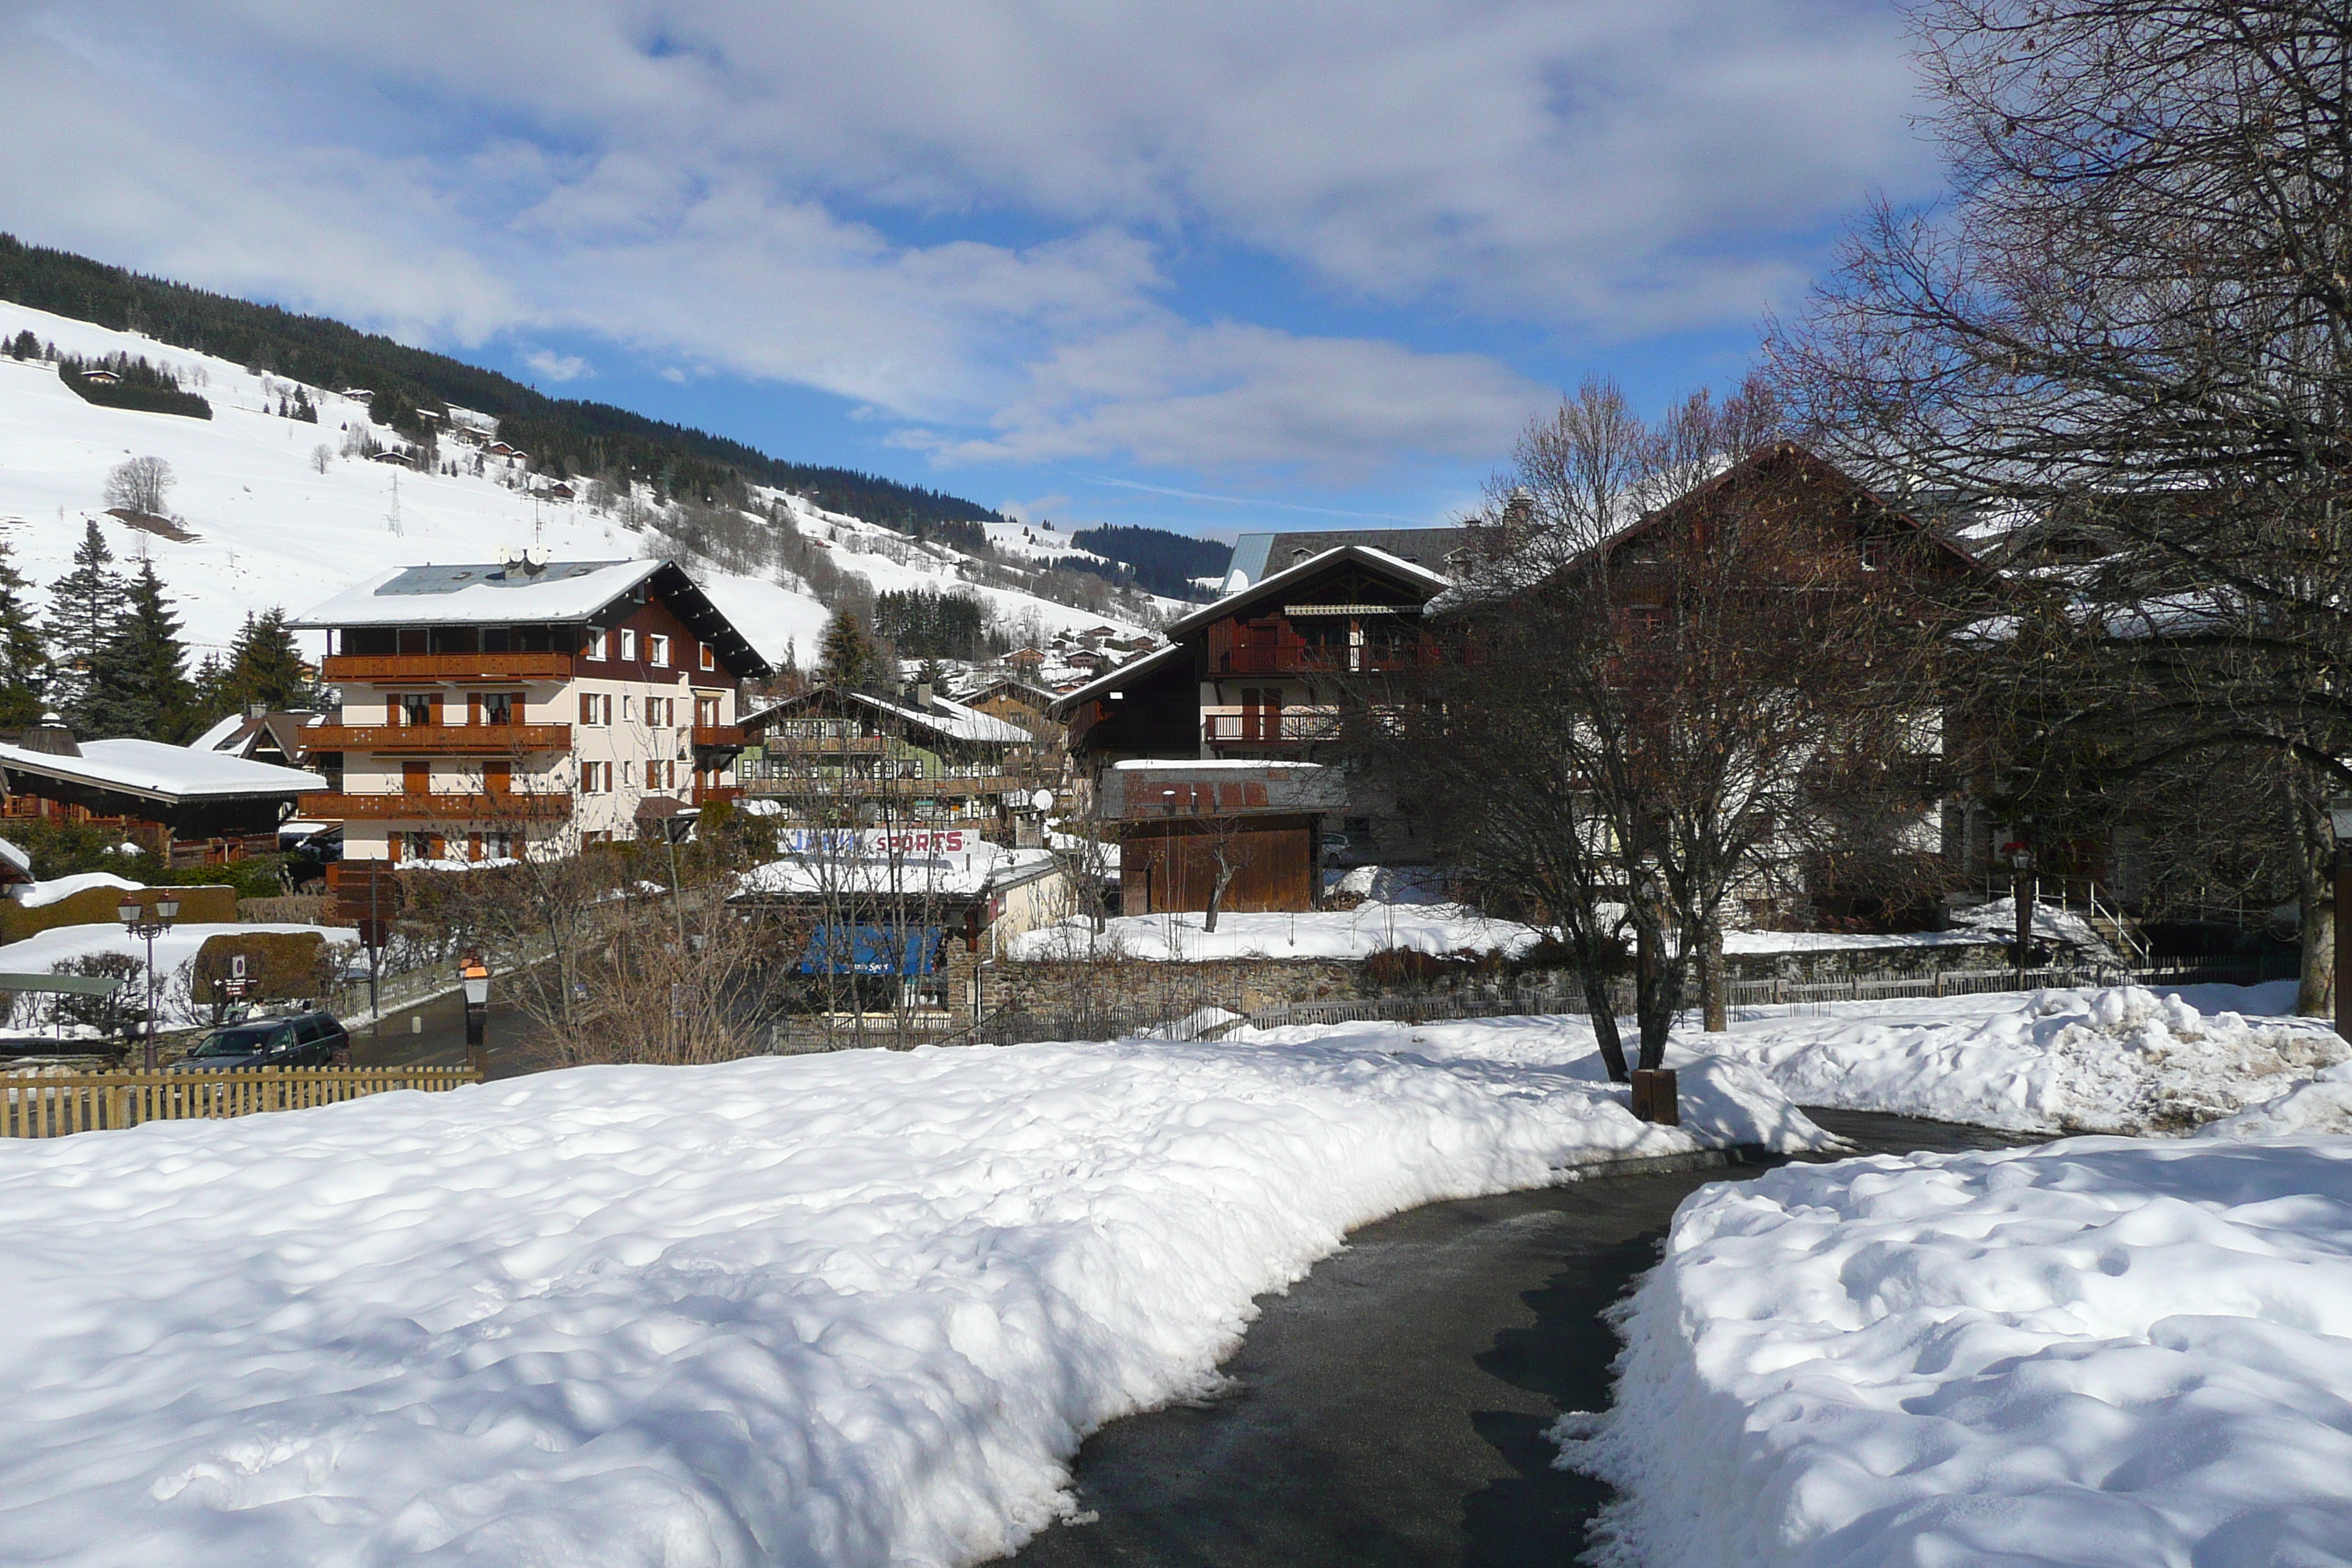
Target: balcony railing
(707, 794)
(1268, 726)
(439, 740)
(714, 737)
(335, 806)
(449, 666)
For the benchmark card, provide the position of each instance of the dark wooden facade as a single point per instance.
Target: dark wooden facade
(1172, 865)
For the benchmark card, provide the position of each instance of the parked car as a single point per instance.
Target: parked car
(1336, 847)
(301, 1040)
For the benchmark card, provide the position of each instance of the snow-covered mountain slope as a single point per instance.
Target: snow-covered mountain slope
(276, 524)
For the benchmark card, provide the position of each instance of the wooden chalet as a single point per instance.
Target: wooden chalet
(1253, 678)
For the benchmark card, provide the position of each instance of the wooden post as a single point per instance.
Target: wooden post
(2344, 941)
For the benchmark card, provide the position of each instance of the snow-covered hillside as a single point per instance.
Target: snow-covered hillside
(272, 528)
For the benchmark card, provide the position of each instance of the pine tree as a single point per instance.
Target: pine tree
(845, 658)
(265, 666)
(24, 661)
(138, 681)
(85, 604)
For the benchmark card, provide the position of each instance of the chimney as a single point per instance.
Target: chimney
(1519, 512)
(256, 711)
(923, 695)
(52, 736)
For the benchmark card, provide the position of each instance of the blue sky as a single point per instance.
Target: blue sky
(1210, 268)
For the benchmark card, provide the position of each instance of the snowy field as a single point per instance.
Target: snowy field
(852, 1308)
(2104, 1352)
(274, 527)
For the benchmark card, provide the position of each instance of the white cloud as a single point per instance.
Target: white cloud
(979, 218)
(558, 367)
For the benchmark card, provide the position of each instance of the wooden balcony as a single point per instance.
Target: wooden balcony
(432, 666)
(1268, 726)
(439, 740)
(709, 795)
(335, 806)
(717, 737)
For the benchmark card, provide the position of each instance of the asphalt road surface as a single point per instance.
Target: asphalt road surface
(1390, 1408)
(432, 1034)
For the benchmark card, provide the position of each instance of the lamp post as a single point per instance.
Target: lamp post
(135, 921)
(2339, 820)
(477, 978)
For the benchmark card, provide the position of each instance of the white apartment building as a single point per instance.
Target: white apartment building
(524, 706)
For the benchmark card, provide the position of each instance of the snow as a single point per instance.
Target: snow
(1211, 765)
(41, 952)
(964, 874)
(560, 591)
(1331, 933)
(857, 1308)
(274, 532)
(2323, 1104)
(34, 895)
(2099, 1353)
(1762, 943)
(212, 740)
(2114, 1060)
(156, 767)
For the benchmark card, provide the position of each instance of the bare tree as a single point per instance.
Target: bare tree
(140, 485)
(2133, 322)
(1650, 716)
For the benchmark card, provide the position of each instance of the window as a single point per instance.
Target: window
(497, 708)
(708, 661)
(628, 709)
(1874, 554)
(596, 645)
(625, 774)
(657, 649)
(628, 647)
(412, 708)
(669, 712)
(595, 778)
(587, 708)
(706, 712)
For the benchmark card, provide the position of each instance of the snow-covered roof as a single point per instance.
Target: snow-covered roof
(162, 771)
(481, 593)
(1437, 582)
(1198, 764)
(14, 858)
(966, 874)
(213, 739)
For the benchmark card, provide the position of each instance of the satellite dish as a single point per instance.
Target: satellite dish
(1042, 801)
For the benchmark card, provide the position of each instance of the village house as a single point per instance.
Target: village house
(1253, 679)
(523, 706)
(834, 756)
(193, 807)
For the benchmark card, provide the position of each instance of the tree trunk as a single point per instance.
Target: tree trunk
(1653, 1007)
(1217, 895)
(1716, 1017)
(1601, 1002)
(2315, 997)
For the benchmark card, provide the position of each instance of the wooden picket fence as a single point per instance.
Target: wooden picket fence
(45, 1105)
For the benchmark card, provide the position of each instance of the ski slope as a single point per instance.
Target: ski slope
(273, 530)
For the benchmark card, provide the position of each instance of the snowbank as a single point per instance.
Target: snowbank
(1330, 933)
(2097, 1353)
(848, 1308)
(2321, 1105)
(36, 895)
(2119, 1059)
(42, 953)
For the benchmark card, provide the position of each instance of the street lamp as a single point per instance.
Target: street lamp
(135, 921)
(2339, 820)
(476, 977)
